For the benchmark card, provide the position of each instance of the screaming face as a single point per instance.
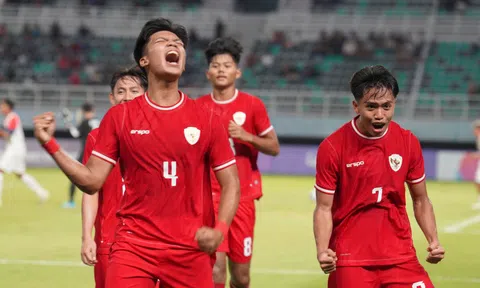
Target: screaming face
(376, 110)
(164, 55)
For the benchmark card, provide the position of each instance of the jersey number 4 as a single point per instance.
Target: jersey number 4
(170, 173)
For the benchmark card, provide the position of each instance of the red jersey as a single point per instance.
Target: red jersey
(367, 177)
(249, 112)
(109, 198)
(165, 156)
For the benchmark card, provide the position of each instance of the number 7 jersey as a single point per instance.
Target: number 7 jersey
(366, 176)
(165, 156)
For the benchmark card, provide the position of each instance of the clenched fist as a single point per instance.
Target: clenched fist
(208, 239)
(435, 253)
(328, 261)
(44, 127)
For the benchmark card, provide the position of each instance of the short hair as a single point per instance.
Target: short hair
(133, 72)
(372, 77)
(225, 45)
(9, 103)
(87, 107)
(153, 26)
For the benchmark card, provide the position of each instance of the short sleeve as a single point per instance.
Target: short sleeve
(89, 144)
(260, 117)
(327, 168)
(13, 123)
(221, 154)
(416, 170)
(107, 147)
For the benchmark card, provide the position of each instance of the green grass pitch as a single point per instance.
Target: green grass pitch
(40, 243)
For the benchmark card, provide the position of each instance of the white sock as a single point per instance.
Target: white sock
(1, 188)
(34, 186)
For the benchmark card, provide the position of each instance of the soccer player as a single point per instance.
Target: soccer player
(250, 131)
(99, 209)
(165, 143)
(15, 152)
(362, 231)
(88, 123)
(476, 133)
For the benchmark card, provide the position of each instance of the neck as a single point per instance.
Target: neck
(224, 94)
(162, 92)
(361, 127)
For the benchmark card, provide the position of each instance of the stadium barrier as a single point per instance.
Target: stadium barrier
(444, 165)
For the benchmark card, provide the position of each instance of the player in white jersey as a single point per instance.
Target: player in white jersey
(14, 155)
(476, 132)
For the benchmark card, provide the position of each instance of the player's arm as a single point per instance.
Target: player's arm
(89, 213)
(90, 177)
(230, 195)
(265, 139)
(422, 206)
(267, 143)
(6, 132)
(325, 185)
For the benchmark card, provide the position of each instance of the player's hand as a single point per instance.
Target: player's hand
(89, 252)
(208, 239)
(44, 127)
(237, 132)
(328, 261)
(435, 253)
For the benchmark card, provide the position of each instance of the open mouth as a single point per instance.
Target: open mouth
(172, 57)
(378, 126)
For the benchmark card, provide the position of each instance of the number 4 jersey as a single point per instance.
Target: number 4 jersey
(165, 155)
(366, 176)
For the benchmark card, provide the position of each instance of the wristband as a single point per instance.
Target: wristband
(222, 227)
(51, 146)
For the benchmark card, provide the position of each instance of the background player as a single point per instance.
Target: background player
(360, 222)
(88, 123)
(125, 86)
(166, 144)
(250, 131)
(14, 155)
(476, 133)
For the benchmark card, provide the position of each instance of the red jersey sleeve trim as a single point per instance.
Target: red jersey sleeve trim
(266, 131)
(326, 191)
(103, 157)
(417, 180)
(225, 165)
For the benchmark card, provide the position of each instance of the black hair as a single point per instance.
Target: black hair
(87, 107)
(372, 77)
(225, 45)
(153, 26)
(134, 72)
(9, 103)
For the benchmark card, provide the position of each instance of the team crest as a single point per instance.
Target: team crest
(395, 161)
(192, 134)
(239, 118)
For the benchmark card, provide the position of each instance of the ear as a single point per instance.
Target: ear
(112, 99)
(355, 107)
(238, 74)
(207, 74)
(144, 62)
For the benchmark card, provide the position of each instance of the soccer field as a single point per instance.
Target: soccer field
(40, 243)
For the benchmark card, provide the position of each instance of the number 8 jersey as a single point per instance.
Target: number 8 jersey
(366, 176)
(165, 156)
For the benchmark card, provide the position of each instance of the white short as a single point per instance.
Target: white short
(13, 162)
(477, 173)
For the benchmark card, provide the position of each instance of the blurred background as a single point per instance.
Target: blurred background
(298, 58)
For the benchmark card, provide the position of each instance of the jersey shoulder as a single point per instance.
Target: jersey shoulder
(399, 131)
(250, 98)
(94, 133)
(340, 135)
